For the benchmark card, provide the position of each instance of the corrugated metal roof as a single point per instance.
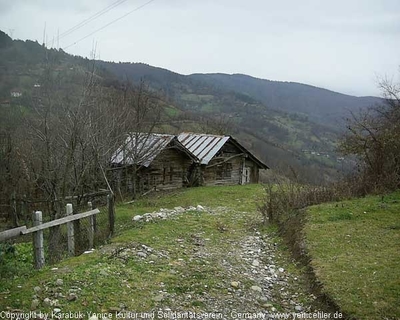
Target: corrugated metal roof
(202, 146)
(141, 148)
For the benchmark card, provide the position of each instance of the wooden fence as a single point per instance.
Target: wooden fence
(69, 219)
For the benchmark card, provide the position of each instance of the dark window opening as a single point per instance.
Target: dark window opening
(224, 171)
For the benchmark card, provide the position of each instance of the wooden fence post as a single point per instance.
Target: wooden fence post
(111, 212)
(38, 241)
(91, 227)
(78, 236)
(70, 230)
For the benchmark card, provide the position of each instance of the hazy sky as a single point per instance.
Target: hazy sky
(341, 45)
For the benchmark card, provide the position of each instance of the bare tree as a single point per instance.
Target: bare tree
(374, 136)
(142, 111)
(221, 124)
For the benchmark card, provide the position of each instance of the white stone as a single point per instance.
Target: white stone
(54, 303)
(59, 282)
(35, 303)
(147, 248)
(103, 273)
(159, 298)
(256, 263)
(137, 218)
(256, 288)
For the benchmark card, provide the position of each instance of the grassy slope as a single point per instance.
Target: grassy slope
(355, 250)
(107, 280)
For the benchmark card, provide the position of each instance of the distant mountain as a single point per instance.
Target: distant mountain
(319, 105)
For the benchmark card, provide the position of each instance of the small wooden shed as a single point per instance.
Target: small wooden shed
(150, 162)
(162, 161)
(221, 160)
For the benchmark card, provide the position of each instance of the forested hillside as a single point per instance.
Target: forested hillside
(280, 131)
(319, 105)
(274, 121)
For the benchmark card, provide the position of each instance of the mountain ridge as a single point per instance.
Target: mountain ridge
(321, 105)
(222, 103)
(277, 81)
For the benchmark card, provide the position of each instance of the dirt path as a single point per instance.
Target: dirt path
(256, 284)
(254, 276)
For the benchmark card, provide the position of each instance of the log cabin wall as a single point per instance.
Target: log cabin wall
(167, 171)
(225, 168)
(227, 173)
(229, 167)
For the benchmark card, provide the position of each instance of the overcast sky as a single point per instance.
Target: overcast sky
(341, 45)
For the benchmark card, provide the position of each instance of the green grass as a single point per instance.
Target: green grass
(355, 251)
(192, 97)
(105, 280)
(243, 198)
(172, 111)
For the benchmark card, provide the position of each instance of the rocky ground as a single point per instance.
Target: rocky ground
(254, 276)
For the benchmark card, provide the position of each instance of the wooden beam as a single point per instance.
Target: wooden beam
(11, 233)
(61, 221)
(225, 160)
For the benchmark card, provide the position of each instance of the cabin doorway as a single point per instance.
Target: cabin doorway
(246, 175)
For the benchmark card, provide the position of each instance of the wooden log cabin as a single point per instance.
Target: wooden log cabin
(162, 161)
(221, 160)
(149, 162)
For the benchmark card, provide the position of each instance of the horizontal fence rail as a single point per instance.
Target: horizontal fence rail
(73, 229)
(16, 232)
(60, 221)
(12, 233)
